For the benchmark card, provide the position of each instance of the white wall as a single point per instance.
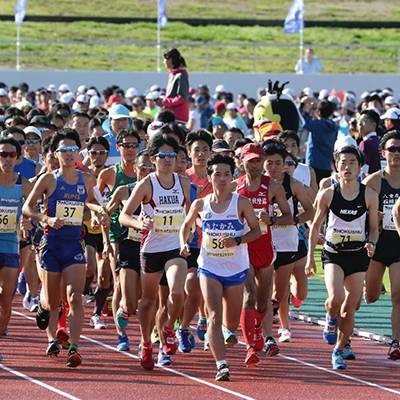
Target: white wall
(236, 83)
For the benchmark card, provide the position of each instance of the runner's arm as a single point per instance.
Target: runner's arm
(301, 195)
(191, 216)
(372, 203)
(279, 194)
(120, 194)
(396, 215)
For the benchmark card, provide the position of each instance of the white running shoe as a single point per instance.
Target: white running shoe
(97, 323)
(286, 336)
(27, 301)
(35, 304)
(85, 299)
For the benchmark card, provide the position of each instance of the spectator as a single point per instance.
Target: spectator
(321, 138)
(194, 116)
(368, 123)
(233, 120)
(311, 64)
(240, 99)
(44, 98)
(177, 94)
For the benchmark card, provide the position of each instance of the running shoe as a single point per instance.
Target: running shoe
(337, 359)
(97, 323)
(177, 324)
(1, 357)
(348, 353)
(155, 337)
(42, 318)
(286, 336)
(164, 359)
(107, 309)
(383, 289)
(252, 358)
(123, 342)
(271, 347)
(85, 299)
(27, 301)
(275, 307)
(122, 318)
(330, 330)
(5, 331)
(183, 336)
(53, 349)
(169, 346)
(74, 358)
(206, 343)
(146, 357)
(21, 284)
(276, 320)
(35, 304)
(394, 351)
(223, 373)
(63, 338)
(229, 337)
(296, 302)
(259, 340)
(192, 340)
(201, 329)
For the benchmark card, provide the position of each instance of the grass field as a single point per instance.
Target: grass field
(231, 59)
(235, 9)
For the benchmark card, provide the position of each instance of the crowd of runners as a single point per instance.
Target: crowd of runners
(112, 198)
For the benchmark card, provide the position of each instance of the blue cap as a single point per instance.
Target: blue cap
(117, 111)
(200, 100)
(217, 121)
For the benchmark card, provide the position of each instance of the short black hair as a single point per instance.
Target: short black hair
(55, 115)
(46, 144)
(184, 149)
(274, 146)
(159, 140)
(288, 134)
(166, 116)
(98, 140)
(13, 129)
(32, 113)
(326, 108)
(195, 136)
(143, 153)
(177, 130)
(240, 143)
(13, 111)
(95, 122)
(293, 157)
(127, 132)
(236, 130)
(220, 159)
(62, 106)
(175, 56)
(350, 150)
(13, 142)
(63, 134)
(372, 116)
(392, 134)
(80, 114)
(138, 124)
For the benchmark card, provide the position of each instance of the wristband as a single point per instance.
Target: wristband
(273, 220)
(373, 244)
(103, 207)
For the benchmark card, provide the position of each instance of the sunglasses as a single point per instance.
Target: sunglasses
(393, 149)
(64, 149)
(276, 145)
(21, 142)
(290, 163)
(33, 141)
(129, 145)
(238, 156)
(98, 152)
(164, 155)
(145, 168)
(8, 154)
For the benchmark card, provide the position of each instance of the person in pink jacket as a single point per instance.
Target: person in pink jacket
(177, 93)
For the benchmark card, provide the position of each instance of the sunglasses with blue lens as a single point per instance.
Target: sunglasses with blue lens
(164, 155)
(64, 149)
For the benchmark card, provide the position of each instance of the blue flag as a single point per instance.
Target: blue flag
(162, 16)
(294, 21)
(20, 11)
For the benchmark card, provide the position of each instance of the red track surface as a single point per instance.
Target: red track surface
(108, 374)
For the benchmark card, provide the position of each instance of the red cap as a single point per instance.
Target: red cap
(219, 106)
(252, 150)
(113, 99)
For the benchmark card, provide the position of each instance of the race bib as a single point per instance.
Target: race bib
(387, 222)
(347, 235)
(134, 234)
(214, 248)
(70, 211)
(168, 221)
(8, 219)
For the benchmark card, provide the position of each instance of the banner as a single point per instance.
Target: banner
(162, 16)
(294, 21)
(20, 11)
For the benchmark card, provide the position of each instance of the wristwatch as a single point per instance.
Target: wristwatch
(238, 240)
(273, 220)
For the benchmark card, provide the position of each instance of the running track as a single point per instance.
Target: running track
(302, 371)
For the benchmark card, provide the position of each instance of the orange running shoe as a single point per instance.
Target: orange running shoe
(259, 340)
(252, 358)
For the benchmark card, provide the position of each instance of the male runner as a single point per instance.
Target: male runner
(164, 195)
(224, 259)
(260, 190)
(120, 174)
(386, 183)
(13, 187)
(66, 192)
(346, 248)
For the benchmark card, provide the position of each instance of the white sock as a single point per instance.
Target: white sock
(220, 362)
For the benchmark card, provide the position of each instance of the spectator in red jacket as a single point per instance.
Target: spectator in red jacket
(177, 93)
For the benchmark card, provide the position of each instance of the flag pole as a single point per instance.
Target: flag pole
(18, 66)
(301, 50)
(158, 42)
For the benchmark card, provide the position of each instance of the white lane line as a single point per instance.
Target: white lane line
(242, 396)
(37, 382)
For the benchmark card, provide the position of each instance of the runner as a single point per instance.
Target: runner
(163, 195)
(13, 187)
(66, 193)
(223, 260)
(346, 248)
(285, 237)
(386, 183)
(260, 190)
(120, 174)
